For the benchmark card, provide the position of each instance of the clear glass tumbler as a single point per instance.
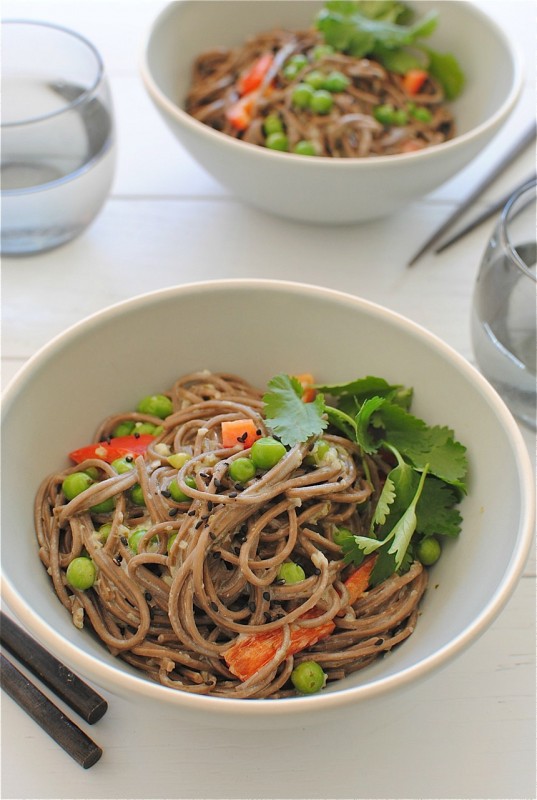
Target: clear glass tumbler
(58, 148)
(505, 306)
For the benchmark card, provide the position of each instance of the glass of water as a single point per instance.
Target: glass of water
(505, 306)
(58, 148)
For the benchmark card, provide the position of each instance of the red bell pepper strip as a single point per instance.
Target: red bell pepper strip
(252, 78)
(111, 449)
(414, 80)
(249, 653)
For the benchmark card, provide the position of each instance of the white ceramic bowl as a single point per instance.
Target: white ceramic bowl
(327, 190)
(99, 366)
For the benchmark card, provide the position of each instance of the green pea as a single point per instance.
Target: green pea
(105, 507)
(104, 532)
(177, 493)
(136, 494)
(428, 551)
(93, 472)
(305, 148)
(341, 535)
(124, 428)
(318, 452)
(158, 405)
(388, 115)
(400, 117)
(291, 572)
(322, 50)
(178, 460)
(135, 539)
(272, 124)
(123, 464)
(295, 64)
(266, 452)
(301, 95)
(421, 114)
(147, 427)
(315, 79)
(277, 141)
(241, 470)
(81, 573)
(335, 82)
(76, 483)
(384, 114)
(308, 677)
(321, 102)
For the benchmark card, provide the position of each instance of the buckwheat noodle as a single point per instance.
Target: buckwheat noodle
(349, 131)
(172, 610)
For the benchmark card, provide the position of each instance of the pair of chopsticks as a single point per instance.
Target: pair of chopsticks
(527, 137)
(89, 705)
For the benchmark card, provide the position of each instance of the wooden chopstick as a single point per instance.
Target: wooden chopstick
(483, 217)
(86, 702)
(38, 706)
(520, 145)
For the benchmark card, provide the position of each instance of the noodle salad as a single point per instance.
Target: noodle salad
(248, 544)
(360, 82)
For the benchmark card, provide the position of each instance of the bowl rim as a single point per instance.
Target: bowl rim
(217, 137)
(113, 678)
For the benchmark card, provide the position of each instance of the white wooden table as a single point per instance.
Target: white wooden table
(469, 731)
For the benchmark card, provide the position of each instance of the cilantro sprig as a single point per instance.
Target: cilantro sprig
(289, 418)
(421, 491)
(386, 31)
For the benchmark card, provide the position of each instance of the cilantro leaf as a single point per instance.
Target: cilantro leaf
(386, 31)
(436, 512)
(414, 439)
(447, 71)
(362, 387)
(287, 416)
(363, 420)
(387, 497)
(399, 536)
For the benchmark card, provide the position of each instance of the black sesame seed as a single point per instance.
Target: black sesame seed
(317, 571)
(216, 554)
(129, 459)
(214, 606)
(252, 606)
(258, 432)
(242, 438)
(210, 505)
(198, 524)
(124, 540)
(191, 513)
(166, 493)
(172, 512)
(148, 596)
(233, 494)
(266, 595)
(136, 435)
(118, 559)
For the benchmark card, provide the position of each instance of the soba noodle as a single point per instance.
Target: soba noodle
(205, 574)
(350, 130)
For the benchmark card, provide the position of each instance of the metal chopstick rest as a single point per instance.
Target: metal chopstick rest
(63, 730)
(86, 702)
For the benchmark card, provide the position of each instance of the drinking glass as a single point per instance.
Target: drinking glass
(504, 306)
(58, 149)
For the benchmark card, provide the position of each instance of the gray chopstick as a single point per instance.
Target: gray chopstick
(520, 145)
(483, 217)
